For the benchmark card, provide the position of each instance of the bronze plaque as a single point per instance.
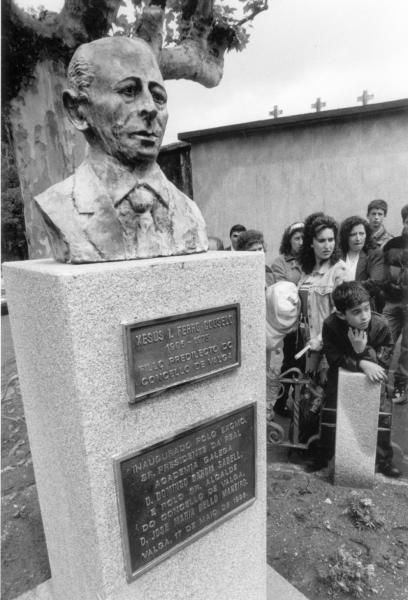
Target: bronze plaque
(169, 351)
(176, 490)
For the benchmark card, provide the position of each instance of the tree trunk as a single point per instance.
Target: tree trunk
(47, 147)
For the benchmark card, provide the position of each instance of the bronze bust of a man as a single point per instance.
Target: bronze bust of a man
(118, 205)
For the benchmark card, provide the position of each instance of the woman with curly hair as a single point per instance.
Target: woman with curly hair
(364, 261)
(323, 271)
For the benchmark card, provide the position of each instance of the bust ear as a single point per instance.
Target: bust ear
(75, 107)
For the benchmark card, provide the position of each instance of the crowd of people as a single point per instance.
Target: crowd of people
(337, 296)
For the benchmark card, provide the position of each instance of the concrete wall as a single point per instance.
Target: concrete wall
(270, 173)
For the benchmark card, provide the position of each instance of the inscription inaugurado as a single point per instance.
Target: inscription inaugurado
(175, 490)
(174, 350)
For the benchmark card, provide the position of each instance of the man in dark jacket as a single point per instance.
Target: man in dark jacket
(395, 288)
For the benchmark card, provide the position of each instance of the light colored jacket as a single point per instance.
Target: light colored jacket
(286, 268)
(319, 302)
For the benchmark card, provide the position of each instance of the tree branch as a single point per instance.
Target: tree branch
(150, 25)
(256, 10)
(82, 21)
(190, 60)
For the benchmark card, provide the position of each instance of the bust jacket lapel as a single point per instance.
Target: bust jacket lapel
(98, 215)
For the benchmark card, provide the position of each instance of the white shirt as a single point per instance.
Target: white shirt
(351, 262)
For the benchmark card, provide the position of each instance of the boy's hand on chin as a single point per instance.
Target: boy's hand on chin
(358, 339)
(374, 372)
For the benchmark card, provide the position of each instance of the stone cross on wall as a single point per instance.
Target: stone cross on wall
(276, 112)
(318, 105)
(365, 98)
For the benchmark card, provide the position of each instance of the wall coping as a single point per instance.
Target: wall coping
(174, 147)
(338, 115)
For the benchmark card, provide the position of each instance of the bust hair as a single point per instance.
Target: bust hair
(404, 212)
(345, 230)
(81, 71)
(314, 224)
(377, 205)
(349, 294)
(285, 247)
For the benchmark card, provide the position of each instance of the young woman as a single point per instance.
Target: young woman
(323, 271)
(364, 261)
(286, 267)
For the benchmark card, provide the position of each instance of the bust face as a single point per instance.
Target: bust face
(127, 109)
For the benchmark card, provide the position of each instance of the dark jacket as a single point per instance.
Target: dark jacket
(339, 351)
(395, 286)
(370, 271)
(370, 267)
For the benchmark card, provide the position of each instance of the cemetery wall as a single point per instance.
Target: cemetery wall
(268, 174)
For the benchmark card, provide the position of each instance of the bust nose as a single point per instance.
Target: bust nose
(146, 106)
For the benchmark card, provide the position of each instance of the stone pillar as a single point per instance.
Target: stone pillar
(358, 405)
(67, 330)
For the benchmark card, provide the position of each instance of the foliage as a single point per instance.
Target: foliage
(347, 573)
(228, 23)
(37, 12)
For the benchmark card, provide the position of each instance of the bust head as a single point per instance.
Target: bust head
(116, 97)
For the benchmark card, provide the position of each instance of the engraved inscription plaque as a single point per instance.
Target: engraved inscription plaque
(176, 490)
(169, 351)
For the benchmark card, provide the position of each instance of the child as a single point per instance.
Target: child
(356, 339)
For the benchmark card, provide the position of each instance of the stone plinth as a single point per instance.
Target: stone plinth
(358, 405)
(66, 325)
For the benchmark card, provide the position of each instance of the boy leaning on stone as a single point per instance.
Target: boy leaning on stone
(357, 339)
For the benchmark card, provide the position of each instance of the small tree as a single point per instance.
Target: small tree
(189, 38)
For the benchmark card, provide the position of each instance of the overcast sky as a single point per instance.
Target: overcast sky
(299, 50)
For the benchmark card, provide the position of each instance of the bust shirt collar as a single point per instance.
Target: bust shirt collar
(104, 175)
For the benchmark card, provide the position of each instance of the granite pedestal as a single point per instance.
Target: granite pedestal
(358, 405)
(66, 325)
